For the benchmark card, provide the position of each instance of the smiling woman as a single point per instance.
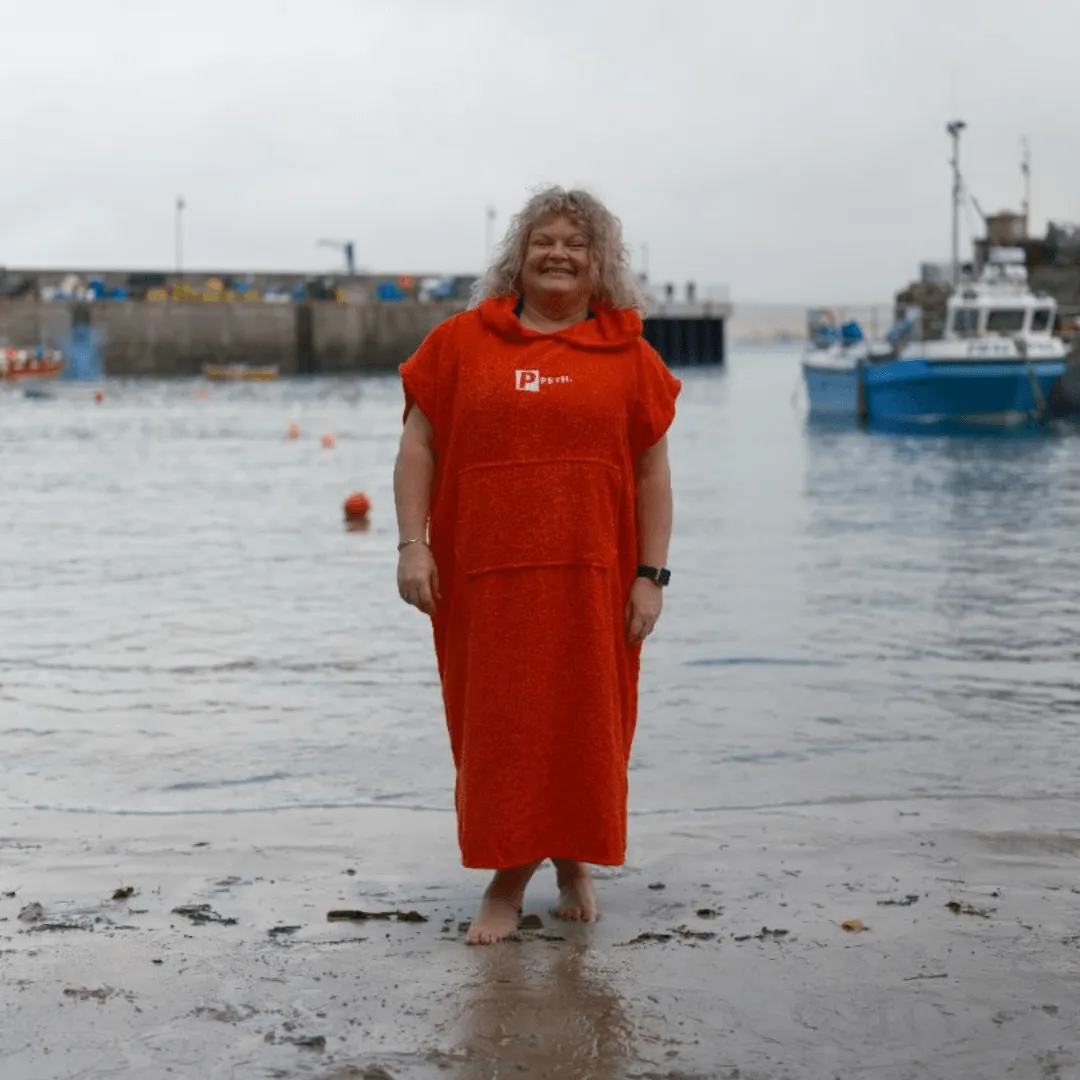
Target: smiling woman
(596, 235)
(534, 507)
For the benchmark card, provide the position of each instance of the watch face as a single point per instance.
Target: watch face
(664, 577)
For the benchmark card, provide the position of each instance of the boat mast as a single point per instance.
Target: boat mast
(954, 128)
(1025, 168)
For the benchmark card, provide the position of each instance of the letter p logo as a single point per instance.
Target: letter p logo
(527, 380)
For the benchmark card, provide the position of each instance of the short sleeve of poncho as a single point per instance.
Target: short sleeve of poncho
(654, 402)
(424, 374)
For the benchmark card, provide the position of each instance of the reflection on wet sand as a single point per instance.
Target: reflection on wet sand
(548, 1008)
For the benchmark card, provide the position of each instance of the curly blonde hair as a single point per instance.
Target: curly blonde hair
(613, 281)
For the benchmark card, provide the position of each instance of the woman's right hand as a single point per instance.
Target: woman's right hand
(418, 577)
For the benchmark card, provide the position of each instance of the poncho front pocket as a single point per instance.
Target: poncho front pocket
(538, 513)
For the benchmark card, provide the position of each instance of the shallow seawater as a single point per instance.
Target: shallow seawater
(186, 625)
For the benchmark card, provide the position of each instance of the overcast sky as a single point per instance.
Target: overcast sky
(793, 150)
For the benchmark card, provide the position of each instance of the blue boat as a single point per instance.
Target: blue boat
(996, 362)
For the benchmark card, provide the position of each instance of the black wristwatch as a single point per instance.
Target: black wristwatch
(660, 575)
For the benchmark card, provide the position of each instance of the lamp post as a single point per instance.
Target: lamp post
(179, 234)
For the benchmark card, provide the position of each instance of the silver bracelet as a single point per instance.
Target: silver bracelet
(412, 540)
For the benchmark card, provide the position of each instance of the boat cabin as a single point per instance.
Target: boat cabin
(999, 302)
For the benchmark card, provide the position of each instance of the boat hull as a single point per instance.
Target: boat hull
(831, 390)
(221, 373)
(920, 391)
(46, 371)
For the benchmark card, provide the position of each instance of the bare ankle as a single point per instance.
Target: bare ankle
(568, 870)
(510, 882)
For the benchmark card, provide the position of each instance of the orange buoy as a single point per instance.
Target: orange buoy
(99, 396)
(292, 431)
(357, 507)
(328, 442)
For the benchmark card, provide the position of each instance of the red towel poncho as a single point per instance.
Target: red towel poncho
(534, 533)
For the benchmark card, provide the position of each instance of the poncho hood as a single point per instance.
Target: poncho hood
(610, 329)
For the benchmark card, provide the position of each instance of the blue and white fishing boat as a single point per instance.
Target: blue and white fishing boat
(997, 360)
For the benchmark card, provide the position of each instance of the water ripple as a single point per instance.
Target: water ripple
(211, 785)
(761, 661)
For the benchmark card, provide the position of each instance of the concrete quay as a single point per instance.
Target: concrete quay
(170, 339)
(177, 339)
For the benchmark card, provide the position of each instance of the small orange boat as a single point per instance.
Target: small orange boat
(37, 363)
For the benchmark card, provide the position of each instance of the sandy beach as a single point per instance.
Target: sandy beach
(721, 950)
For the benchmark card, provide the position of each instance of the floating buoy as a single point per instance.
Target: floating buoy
(357, 507)
(99, 396)
(292, 431)
(328, 442)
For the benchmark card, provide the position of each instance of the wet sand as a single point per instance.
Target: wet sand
(720, 951)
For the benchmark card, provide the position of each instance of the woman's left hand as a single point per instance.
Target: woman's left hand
(642, 610)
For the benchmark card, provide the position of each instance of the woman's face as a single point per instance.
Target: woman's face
(557, 262)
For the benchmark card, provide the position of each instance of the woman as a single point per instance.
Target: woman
(534, 508)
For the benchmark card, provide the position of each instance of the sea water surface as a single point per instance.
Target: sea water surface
(186, 625)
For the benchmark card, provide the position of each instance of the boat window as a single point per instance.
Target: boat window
(1040, 319)
(1005, 321)
(965, 321)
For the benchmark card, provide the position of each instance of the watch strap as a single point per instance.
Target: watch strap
(661, 575)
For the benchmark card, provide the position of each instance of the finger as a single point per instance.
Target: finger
(423, 599)
(435, 590)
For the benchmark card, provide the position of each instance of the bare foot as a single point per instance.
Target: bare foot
(498, 915)
(577, 900)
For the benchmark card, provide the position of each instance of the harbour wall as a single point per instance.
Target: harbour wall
(167, 339)
(177, 339)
